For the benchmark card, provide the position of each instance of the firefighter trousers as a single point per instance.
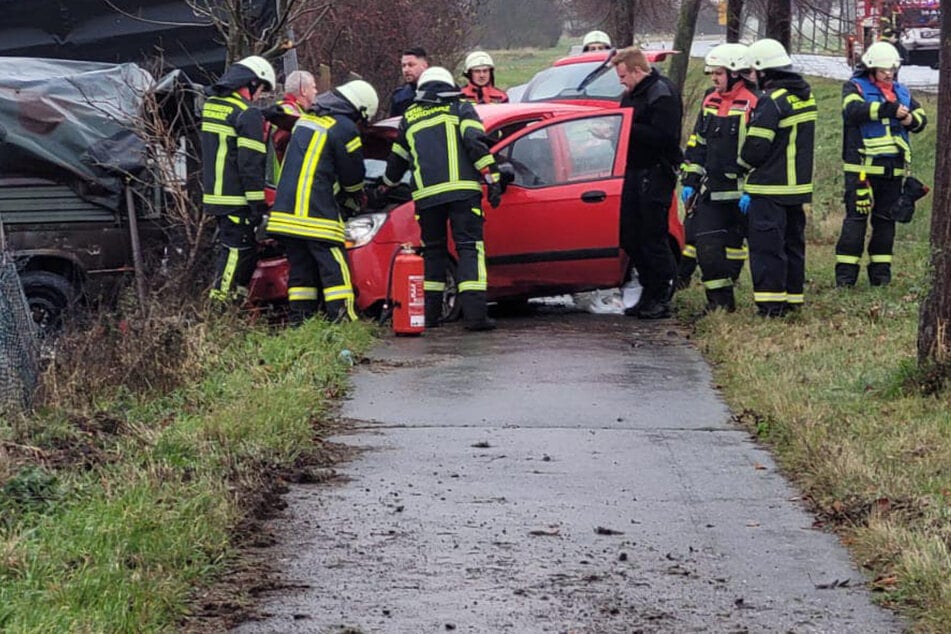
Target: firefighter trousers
(720, 229)
(645, 204)
(777, 239)
(465, 219)
(235, 259)
(318, 270)
(848, 250)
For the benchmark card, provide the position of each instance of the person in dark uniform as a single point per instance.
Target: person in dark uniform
(412, 64)
(653, 157)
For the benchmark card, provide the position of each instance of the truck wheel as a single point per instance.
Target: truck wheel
(49, 295)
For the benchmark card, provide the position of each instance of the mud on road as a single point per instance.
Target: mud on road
(565, 473)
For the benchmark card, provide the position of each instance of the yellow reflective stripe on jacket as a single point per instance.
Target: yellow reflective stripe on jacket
(354, 145)
(254, 195)
(470, 123)
(796, 119)
(869, 169)
(450, 122)
(353, 188)
(689, 251)
(306, 227)
(763, 133)
(252, 144)
(737, 254)
(777, 190)
(218, 128)
(401, 152)
(484, 162)
(441, 188)
(217, 199)
(728, 195)
(852, 99)
(436, 287)
(305, 181)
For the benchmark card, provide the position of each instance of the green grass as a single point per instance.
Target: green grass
(121, 543)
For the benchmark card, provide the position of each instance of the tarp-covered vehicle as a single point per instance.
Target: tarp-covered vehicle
(70, 149)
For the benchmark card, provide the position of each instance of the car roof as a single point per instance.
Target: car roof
(600, 56)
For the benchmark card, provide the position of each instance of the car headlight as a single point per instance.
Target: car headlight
(361, 229)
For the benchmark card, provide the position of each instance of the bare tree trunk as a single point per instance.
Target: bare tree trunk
(734, 10)
(623, 22)
(934, 323)
(779, 21)
(683, 40)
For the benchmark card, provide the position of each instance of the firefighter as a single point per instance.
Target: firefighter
(413, 62)
(300, 90)
(710, 160)
(442, 138)
(878, 113)
(233, 170)
(778, 152)
(323, 168)
(595, 41)
(650, 178)
(480, 71)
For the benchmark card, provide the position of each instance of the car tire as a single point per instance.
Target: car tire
(50, 296)
(451, 308)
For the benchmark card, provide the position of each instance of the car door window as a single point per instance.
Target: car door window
(566, 152)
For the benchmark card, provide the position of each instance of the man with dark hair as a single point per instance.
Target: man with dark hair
(412, 63)
(653, 157)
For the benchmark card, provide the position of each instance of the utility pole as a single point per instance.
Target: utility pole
(934, 322)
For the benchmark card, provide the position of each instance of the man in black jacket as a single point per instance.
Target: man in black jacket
(443, 139)
(653, 156)
(413, 62)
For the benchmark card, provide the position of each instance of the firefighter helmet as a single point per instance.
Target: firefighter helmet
(882, 55)
(769, 54)
(731, 56)
(435, 74)
(261, 68)
(595, 37)
(478, 59)
(361, 96)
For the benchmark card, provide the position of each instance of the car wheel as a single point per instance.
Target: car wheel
(49, 296)
(451, 308)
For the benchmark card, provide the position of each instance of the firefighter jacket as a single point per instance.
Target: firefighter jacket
(780, 140)
(655, 134)
(324, 159)
(233, 154)
(874, 141)
(713, 147)
(483, 94)
(285, 115)
(442, 140)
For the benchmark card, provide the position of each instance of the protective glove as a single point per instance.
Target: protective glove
(494, 194)
(745, 201)
(687, 193)
(863, 198)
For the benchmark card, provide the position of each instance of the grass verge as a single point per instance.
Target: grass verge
(116, 506)
(835, 391)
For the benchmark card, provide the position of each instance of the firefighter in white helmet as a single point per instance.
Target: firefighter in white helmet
(442, 138)
(233, 170)
(710, 175)
(321, 185)
(878, 114)
(778, 152)
(479, 69)
(595, 41)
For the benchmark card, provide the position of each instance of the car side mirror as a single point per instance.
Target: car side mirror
(507, 174)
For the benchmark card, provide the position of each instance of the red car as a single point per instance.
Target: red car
(560, 81)
(556, 230)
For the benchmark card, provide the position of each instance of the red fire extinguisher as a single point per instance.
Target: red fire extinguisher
(405, 295)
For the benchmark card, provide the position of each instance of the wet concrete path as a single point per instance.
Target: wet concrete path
(566, 473)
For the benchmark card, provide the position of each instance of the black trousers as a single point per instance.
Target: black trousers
(848, 250)
(688, 256)
(645, 201)
(318, 270)
(235, 259)
(465, 218)
(720, 229)
(777, 239)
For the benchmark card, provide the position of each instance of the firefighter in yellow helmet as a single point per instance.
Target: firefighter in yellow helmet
(778, 152)
(479, 69)
(233, 170)
(443, 139)
(321, 184)
(878, 114)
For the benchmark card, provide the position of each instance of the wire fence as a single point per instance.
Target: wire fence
(19, 364)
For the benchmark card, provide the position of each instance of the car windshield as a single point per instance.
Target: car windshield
(560, 82)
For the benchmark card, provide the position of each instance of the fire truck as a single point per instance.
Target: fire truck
(913, 27)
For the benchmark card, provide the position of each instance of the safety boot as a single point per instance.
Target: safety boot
(720, 299)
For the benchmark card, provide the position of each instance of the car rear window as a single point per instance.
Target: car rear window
(561, 82)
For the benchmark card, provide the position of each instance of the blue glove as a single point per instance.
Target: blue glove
(745, 204)
(687, 193)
